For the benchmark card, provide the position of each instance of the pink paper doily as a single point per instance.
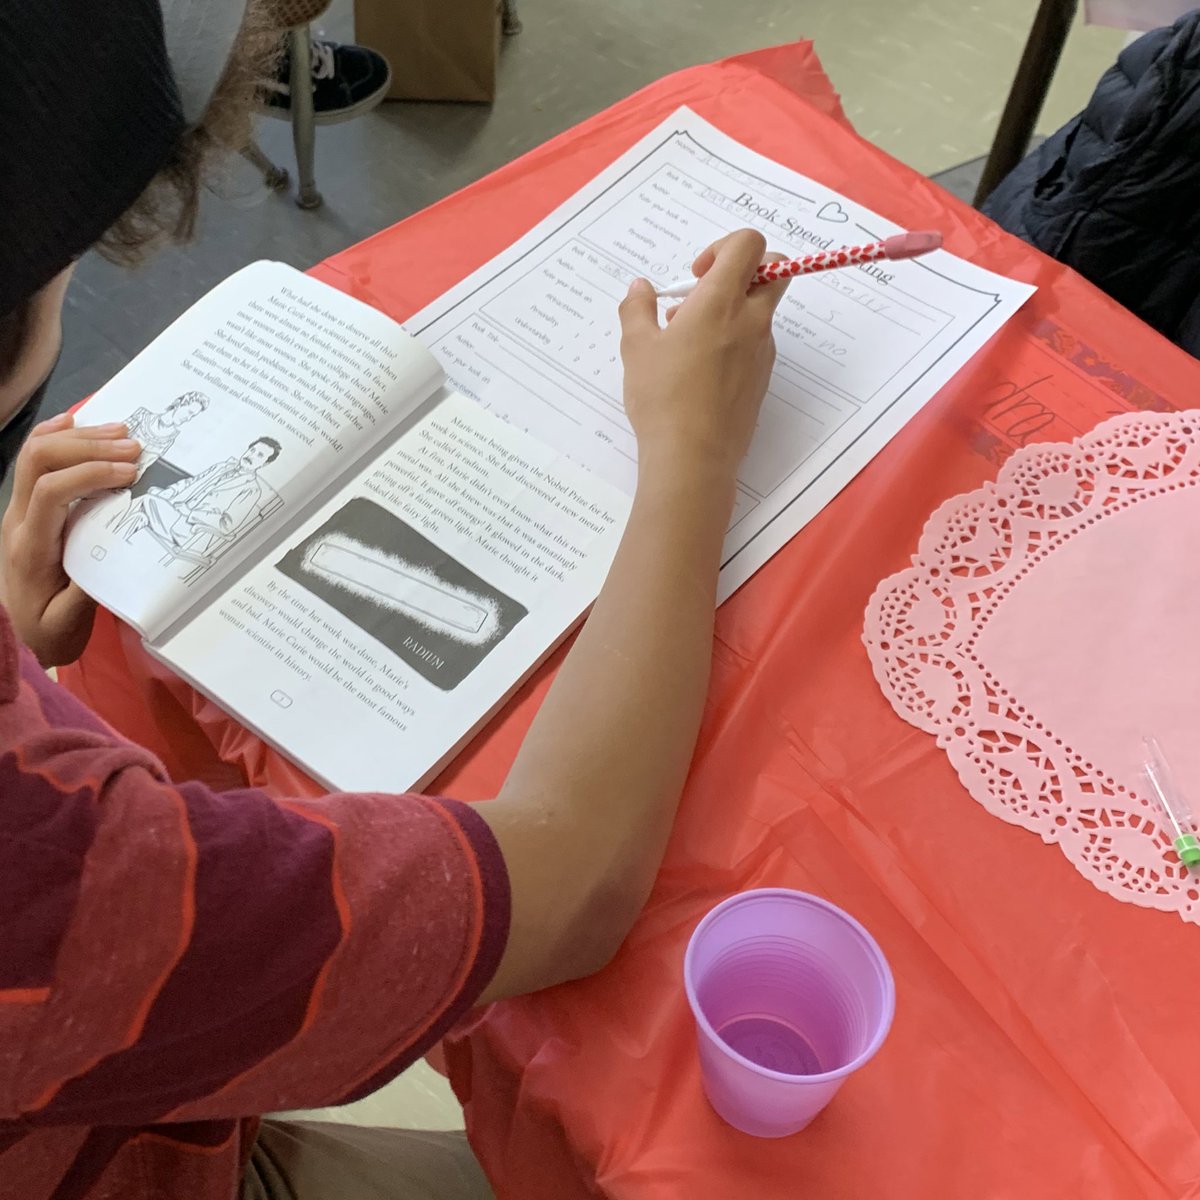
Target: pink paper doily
(1048, 622)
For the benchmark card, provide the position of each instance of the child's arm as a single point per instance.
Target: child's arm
(584, 816)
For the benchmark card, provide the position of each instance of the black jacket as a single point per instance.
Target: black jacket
(1115, 193)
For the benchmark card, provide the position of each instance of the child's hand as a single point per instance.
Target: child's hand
(693, 389)
(57, 466)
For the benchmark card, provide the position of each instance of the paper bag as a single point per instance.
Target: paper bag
(439, 49)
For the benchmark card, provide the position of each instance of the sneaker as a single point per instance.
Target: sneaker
(346, 81)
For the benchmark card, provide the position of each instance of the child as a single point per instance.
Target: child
(175, 961)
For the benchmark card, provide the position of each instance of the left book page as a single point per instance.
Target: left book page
(250, 405)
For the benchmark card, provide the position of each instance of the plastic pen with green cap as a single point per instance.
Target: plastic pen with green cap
(1173, 803)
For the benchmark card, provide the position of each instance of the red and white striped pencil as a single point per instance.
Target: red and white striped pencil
(900, 245)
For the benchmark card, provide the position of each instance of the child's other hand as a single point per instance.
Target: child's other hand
(693, 389)
(57, 466)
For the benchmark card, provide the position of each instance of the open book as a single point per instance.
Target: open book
(356, 562)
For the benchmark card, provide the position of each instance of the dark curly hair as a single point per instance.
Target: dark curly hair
(167, 209)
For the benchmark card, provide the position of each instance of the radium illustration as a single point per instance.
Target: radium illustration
(404, 591)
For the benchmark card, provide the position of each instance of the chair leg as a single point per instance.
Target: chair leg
(276, 178)
(510, 22)
(304, 128)
(1039, 60)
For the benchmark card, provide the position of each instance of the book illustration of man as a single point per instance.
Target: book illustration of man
(214, 504)
(157, 431)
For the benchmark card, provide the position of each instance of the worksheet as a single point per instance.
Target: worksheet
(533, 335)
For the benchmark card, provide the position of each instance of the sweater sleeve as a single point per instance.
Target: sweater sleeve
(182, 954)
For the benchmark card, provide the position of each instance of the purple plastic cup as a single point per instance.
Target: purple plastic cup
(791, 995)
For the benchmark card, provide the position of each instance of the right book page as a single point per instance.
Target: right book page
(534, 335)
(377, 637)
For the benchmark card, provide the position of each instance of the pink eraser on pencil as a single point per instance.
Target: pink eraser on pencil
(909, 245)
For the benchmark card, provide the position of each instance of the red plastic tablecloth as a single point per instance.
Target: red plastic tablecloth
(1042, 1044)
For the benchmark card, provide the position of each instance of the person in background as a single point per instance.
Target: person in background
(176, 961)
(347, 80)
(1113, 193)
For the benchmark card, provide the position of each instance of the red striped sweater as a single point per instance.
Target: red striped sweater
(174, 960)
